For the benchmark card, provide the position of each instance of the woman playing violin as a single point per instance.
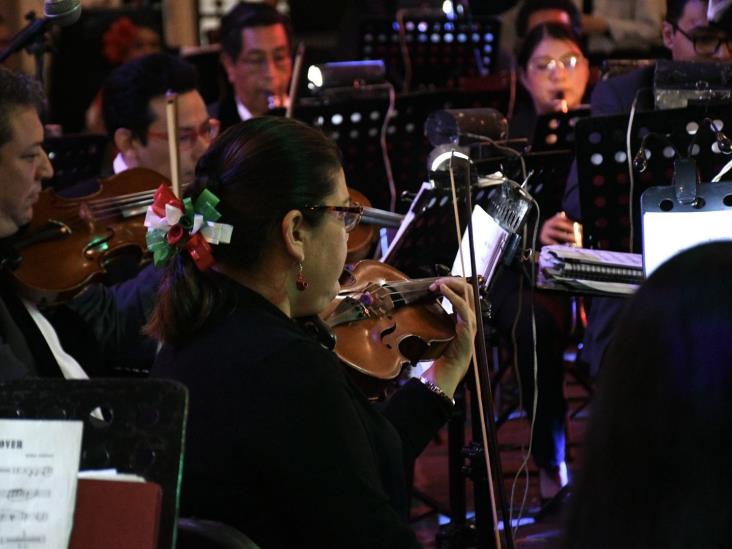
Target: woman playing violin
(281, 443)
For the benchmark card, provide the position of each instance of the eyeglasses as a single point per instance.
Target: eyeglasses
(350, 215)
(546, 65)
(187, 137)
(706, 40)
(258, 62)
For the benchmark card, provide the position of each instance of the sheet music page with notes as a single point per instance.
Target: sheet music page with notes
(39, 461)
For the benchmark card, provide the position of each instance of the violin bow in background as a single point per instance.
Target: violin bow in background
(171, 115)
(295, 79)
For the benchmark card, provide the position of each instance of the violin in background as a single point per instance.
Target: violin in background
(362, 238)
(71, 241)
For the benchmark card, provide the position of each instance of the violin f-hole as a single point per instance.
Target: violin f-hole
(386, 333)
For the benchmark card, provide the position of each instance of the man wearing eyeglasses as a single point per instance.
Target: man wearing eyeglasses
(134, 111)
(133, 106)
(256, 42)
(689, 36)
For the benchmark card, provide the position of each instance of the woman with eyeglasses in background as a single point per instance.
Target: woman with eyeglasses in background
(554, 73)
(280, 443)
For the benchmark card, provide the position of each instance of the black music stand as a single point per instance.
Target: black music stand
(429, 240)
(556, 131)
(602, 166)
(440, 51)
(550, 170)
(75, 158)
(354, 123)
(665, 234)
(142, 433)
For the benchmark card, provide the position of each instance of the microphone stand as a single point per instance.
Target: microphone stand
(460, 533)
(32, 38)
(488, 402)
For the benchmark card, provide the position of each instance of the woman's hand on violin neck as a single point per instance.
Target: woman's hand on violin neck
(450, 368)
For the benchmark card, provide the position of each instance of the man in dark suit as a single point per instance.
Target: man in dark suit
(686, 32)
(133, 106)
(134, 110)
(29, 345)
(257, 46)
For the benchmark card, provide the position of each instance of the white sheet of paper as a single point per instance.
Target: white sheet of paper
(490, 240)
(666, 234)
(39, 461)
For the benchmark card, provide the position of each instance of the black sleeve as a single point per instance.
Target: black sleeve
(116, 315)
(416, 413)
(325, 455)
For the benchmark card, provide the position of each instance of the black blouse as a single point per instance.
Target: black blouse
(282, 445)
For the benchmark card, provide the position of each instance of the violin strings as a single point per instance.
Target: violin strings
(110, 207)
(404, 294)
(122, 199)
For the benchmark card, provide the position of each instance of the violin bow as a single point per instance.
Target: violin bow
(171, 115)
(490, 447)
(295, 79)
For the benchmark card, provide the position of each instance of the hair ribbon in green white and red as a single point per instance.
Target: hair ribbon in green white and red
(174, 224)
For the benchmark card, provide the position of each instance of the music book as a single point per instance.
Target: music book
(582, 270)
(116, 514)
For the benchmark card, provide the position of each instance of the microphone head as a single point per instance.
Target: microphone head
(724, 143)
(640, 162)
(449, 126)
(62, 12)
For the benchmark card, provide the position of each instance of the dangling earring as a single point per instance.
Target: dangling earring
(300, 282)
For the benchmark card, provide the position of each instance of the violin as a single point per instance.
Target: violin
(382, 321)
(361, 239)
(70, 241)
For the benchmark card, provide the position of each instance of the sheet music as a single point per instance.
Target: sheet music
(408, 218)
(581, 270)
(490, 240)
(603, 257)
(39, 461)
(666, 234)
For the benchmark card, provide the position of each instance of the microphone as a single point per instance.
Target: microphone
(62, 12)
(57, 12)
(460, 125)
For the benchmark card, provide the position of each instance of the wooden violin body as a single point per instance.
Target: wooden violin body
(382, 321)
(364, 235)
(69, 240)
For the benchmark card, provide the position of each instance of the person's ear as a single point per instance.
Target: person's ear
(295, 233)
(667, 32)
(229, 65)
(126, 144)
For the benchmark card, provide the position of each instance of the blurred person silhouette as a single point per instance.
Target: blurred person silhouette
(655, 474)
(122, 42)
